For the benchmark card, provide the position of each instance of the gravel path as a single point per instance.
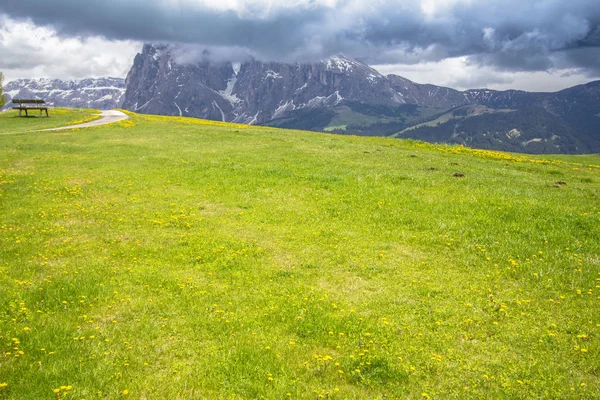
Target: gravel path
(106, 117)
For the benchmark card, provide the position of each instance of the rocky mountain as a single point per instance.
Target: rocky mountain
(254, 92)
(532, 130)
(563, 122)
(343, 95)
(100, 93)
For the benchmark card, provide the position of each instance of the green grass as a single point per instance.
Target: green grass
(591, 159)
(440, 120)
(177, 259)
(10, 122)
(331, 128)
(472, 110)
(345, 116)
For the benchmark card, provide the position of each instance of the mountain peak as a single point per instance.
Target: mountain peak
(343, 64)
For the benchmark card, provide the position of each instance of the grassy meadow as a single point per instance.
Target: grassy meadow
(172, 258)
(11, 123)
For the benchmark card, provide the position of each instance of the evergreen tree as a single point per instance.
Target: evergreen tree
(2, 97)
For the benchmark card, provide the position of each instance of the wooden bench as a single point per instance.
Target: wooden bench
(26, 105)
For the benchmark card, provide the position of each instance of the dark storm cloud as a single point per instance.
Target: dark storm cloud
(508, 34)
(162, 22)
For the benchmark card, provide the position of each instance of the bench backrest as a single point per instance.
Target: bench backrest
(23, 101)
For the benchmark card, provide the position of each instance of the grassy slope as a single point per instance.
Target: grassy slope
(174, 259)
(590, 159)
(440, 120)
(345, 116)
(474, 111)
(10, 122)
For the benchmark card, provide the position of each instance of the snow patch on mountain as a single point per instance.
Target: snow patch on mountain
(220, 110)
(301, 88)
(316, 101)
(273, 75)
(288, 106)
(179, 108)
(228, 95)
(340, 64)
(254, 119)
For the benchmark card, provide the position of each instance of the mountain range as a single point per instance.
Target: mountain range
(98, 93)
(345, 96)
(340, 95)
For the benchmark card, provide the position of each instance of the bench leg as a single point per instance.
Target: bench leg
(20, 113)
(40, 112)
(26, 113)
(47, 113)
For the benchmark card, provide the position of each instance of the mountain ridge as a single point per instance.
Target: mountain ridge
(100, 93)
(341, 64)
(343, 95)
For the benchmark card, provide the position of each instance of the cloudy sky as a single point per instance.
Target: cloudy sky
(541, 45)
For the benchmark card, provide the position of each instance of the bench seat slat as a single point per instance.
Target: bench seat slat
(30, 108)
(28, 101)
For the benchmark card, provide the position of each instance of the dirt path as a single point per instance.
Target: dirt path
(106, 117)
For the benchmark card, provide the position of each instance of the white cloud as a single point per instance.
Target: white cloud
(30, 51)
(459, 74)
